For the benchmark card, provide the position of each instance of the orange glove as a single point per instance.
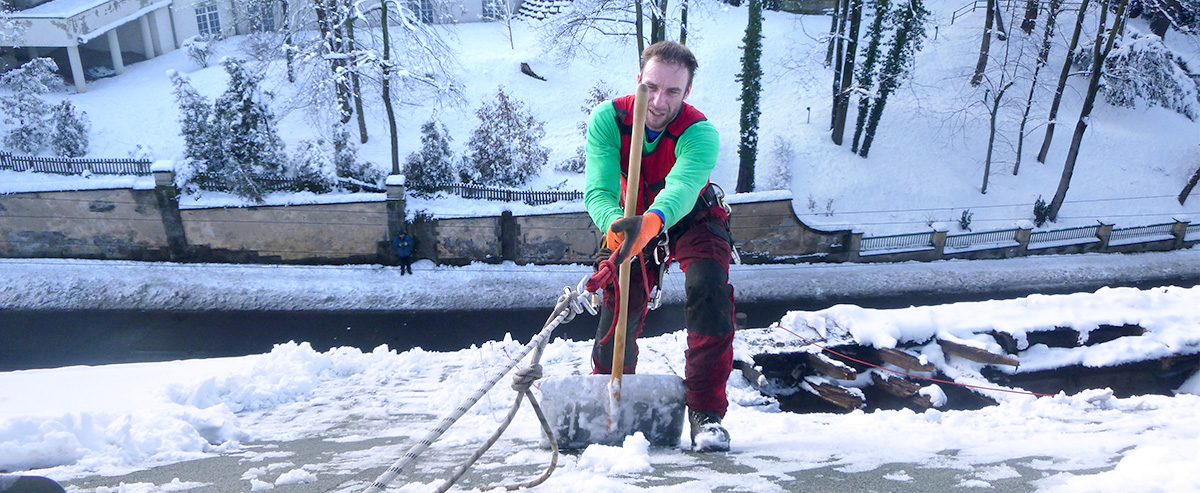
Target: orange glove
(641, 228)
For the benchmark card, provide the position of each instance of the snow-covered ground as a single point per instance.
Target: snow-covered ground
(112, 420)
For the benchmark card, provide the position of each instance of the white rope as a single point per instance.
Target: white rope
(569, 304)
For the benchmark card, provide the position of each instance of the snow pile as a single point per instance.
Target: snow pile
(632, 457)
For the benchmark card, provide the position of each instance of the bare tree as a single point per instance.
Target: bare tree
(1062, 83)
(572, 31)
(1042, 57)
(985, 45)
(841, 99)
(1099, 54)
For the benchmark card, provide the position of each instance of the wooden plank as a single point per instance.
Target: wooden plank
(751, 373)
(830, 367)
(902, 388)
(903, 360)
(975, 354)
(838, 396)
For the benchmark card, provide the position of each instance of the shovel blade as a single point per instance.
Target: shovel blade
(578, 409)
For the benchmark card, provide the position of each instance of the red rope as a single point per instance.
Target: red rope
(931, 379)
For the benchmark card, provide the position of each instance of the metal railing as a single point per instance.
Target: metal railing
(74, 166)
(897, 242)
(270, 183)
(531, 197)
(1119, 235)
(1079, 233)
(963, 241)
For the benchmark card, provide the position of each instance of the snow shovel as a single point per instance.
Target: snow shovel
(602, 409)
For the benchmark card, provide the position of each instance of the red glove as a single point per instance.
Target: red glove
(606, 273)
(641, 228)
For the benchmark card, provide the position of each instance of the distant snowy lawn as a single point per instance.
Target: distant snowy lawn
(77, 421)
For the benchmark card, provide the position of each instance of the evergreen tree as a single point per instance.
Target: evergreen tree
(313, 166)
(345, 160)
(867, 71)
(25, 113)
(505, 149)
(910, 31)
(70, 137)
(243, 135)
(751, 79)
(432, 167)
(194, 112)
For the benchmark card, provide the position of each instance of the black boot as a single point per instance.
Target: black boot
(707, 433)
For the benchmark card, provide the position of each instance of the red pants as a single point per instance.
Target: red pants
(702, 245)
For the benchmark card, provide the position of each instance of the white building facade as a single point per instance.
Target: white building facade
(144, 29)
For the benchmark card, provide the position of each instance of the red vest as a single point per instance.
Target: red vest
(655, 164)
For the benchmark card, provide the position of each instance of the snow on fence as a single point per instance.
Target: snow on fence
(1002, 238)
(271, 183)
(1065, 236)
(469, 191)
(75, 166)
(913, 241)
(1138, 234)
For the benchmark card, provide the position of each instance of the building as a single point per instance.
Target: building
(99, 37)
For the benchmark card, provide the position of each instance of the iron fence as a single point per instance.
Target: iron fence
(1064, 234)
(897, 242)
(74, 166)
(272, 183)
(1123, 234)
(531, 197)
(963, 241)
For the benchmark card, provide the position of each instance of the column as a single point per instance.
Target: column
(147, 38)
(164, 30)
(76, 68)
(114, 49)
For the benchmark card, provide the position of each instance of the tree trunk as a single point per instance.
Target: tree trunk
(841, 100)
(866, 79)
(751, 78)
(1062, 84)
(886, 84)
(833, 31)
(1187, 189)
(683, 25)
(658, 22)
(641, 41)
(1099, 54)
(354, 84)
(1043, 56)
(386, 90)
(289, 51)
(839, 52)
(1031, 13)
(987, 161)
(985, 45)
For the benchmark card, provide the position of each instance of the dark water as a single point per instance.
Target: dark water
(48, 339)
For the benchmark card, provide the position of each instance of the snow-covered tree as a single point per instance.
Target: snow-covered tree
(70, 134)
(1145, 69)
(599, 94)
(194, 114)
(505, 149)
(433, 165)
(910, 32)
(312, 166)
(26, 115)
(345, 160)
(10, 28)
(199, 49)
(751, 79)
(243, 130)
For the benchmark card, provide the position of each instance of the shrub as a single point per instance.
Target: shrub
(1041, 212)
(199, 49)
(433, 165)
(70, 137)
(505, 149)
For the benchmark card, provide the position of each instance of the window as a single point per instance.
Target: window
(208, 20)
(494, 10)
(262, 16)
(423, 10)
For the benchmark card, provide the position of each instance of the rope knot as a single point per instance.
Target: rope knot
(525, 378)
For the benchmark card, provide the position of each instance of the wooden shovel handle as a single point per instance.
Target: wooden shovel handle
(631, 200)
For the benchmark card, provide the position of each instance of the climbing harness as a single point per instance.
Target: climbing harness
(570, 303)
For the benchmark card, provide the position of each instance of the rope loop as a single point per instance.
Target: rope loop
(525, 377)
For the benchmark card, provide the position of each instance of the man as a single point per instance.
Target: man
(675, 202)
(403, 244)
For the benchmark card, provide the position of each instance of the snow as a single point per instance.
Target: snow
(923, 173)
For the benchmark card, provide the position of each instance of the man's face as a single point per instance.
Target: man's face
(668, 86)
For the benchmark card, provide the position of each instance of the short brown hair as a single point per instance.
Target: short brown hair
(673, 53)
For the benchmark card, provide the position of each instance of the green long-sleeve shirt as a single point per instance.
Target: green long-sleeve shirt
(695, 158)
